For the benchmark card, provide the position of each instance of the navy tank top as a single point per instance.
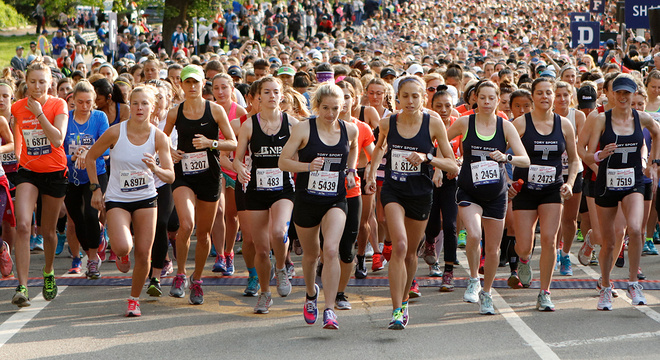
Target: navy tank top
(400, 174)
(622, 170)
(481, 176)
(196, 162)
(325, 186)
(265, 152)
(544, 172)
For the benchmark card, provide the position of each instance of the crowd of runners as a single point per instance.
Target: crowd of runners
(387, 133)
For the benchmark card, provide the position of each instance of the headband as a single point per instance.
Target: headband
(599, 81)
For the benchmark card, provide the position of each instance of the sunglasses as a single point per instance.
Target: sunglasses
(437, 88)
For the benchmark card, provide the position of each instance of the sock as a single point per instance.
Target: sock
(339, 293)
(545, 292)
(134, 298)
(282, 269)
(52, 272)
(474, 278)
(449, 267)
(252, 272)
(649, 239)
(524, 261)
(564, 253)
(311, 297)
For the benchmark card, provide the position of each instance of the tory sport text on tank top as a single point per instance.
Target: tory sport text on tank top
(130, 178)
(197, 162)
(481, 176)
(545, 152)
(265, 151)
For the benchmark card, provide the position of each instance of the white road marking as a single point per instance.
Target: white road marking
(603, 340)
(525, 332)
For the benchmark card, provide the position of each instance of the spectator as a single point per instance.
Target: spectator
(18, 62)
(40, 16)
(59, 42)
(232, 28)
(179, 36)
(34, 50)
(44, 44)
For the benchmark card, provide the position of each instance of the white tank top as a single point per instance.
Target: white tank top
(174, 137)
(130, 178)
(564, 156)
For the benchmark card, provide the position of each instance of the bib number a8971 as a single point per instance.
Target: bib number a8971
(133, 180)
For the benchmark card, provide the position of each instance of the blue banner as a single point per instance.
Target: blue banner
(597, 6)
(579, 16)
(637, 13)
(587, 33)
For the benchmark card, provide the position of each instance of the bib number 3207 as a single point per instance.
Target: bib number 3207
(194, 163)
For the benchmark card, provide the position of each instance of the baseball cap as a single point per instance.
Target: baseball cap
(624, 83)
(387, 72)
(234, 71)
(414, 69)
(97, 61)
(19, 47)
(285, 70)
(192, 71)
(548, 73)
(639, 39)
(273, 59)
(587, 97)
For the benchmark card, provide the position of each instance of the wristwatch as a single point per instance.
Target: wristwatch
(214, 145)
(655, 161)
(94, 187)
(429, 158)
(509, 157)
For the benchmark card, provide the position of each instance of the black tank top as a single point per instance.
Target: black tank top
(481, 176)
(197, 162)
(622, 170)
(401, 175)
(325, 186)
(544, 153)
(265, 152)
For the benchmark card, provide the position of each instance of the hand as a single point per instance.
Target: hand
(350, 180)
(512, 192)
(34, 106)
(652, 173)
(370, 187)
(201, 142)
(416, 158)
(97, 201)
(566, 191)
(150, 161)
(80, 158)
(242, 174)
(607, 151)
(316, 164)
(177, 155)
(498, 156)
(437, 178)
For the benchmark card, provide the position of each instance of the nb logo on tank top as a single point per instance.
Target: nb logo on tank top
(546, 148)
(624, 151)
(269, 150)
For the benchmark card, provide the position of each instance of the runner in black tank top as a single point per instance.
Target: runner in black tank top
(197, 184)
(545, 136)
(619, 132)
(326, 147)
(481, 194)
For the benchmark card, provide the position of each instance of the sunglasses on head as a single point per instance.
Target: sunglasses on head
(437, 88)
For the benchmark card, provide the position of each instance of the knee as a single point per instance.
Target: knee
(399, 248)
(346, 255)
(23, 227)
(330, 254)
(634, 232)
(185, 226)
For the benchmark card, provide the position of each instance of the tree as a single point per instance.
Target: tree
(178, 11)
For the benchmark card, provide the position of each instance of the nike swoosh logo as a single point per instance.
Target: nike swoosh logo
(204, 124)
(282, 137)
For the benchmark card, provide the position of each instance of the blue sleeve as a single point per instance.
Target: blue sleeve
(67, 139)
(102, 127)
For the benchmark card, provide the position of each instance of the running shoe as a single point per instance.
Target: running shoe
(387, 251)
(33, 242)
(113, 256)
(434, 270)
(154, 288)
(650, 248)
(50, 287)
(620, 260)
(6, 264)
(525, 273)
(656, 235)
(471, 294)
(76, 266)
(361, 267)
(283, 283)
(594, 258)
(297, 248)
(565, 267)
(196, 292)
(486, 303)
(369, 251)
(543, 302)
(599, 286)
(640, 274)
(229, 262)
(290, 270)
(21, 298)
(341, 302)
(397, 320)
(605, 299)
(133, 309)
(377, 262)
(252, 286)
(39, 243)
(429, 253)
(414, 290)
(406, 316)
(558, 261)
(447, 281)
(123, 264)
(584, 255)
(645, 248)
(213, 253)
(482, 263)
(103, 245)
(462, 236)
(220, 265)
(579, 237)
(330, 320)
(310, 310)
(636, 294)
(264, 302)
(167, 269)
(514, 281)
(93, 267)
(61, 239)
(179, 285)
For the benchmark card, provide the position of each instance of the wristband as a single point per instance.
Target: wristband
(596, 158)
(40, 115)
(351, 171)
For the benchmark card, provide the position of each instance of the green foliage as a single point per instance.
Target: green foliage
(10, 18)
(9, 43)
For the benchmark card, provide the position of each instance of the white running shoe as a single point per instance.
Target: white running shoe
(472, 292)
(636, 294)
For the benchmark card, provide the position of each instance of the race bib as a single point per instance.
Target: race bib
(36, 142)
(8, 158)
(620, 179)
(195, 163)
(485, 172)
(133, 180)
(323, 183)
(564, 164)
(402, 168)
(540, 176)
(269, 179)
